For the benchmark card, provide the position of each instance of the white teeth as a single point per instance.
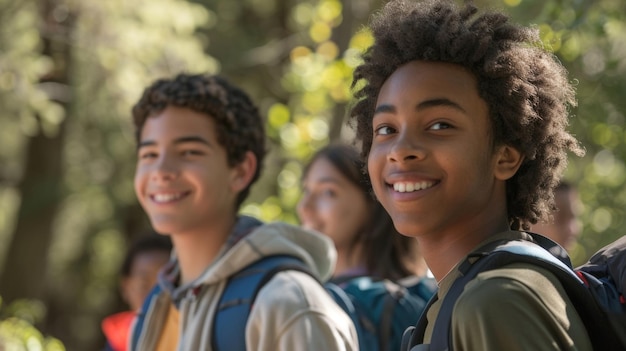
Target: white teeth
(166, 197)
(410, 187)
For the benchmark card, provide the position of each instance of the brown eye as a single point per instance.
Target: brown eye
(192, 153)
(147, 155)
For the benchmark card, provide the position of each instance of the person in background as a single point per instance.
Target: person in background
(200, 148)
(565, 226)
(138, 274)
(337, 202)
(380, 270)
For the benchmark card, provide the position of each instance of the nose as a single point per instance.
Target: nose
(407, 146)
(165, 169)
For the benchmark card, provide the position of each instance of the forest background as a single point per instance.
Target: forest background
(71, 69)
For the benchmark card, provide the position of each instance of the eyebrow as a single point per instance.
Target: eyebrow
(181, 140)
(326, 180)
(422, 105)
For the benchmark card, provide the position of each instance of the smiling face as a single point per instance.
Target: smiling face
(183, 180)
(332, 204)
(432, 163)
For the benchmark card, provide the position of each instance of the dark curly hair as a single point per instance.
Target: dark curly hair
(239, 125)
(525, 87)
(149, 241)
(387, 253)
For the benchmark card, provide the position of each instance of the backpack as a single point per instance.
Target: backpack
(593, 288)
(380, 309)
(234, 305)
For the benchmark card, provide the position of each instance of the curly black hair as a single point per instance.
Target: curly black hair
(526, 88)
(239, 125)
(387, 253)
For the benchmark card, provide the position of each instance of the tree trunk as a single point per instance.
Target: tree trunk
(354, 14)
(41, 187)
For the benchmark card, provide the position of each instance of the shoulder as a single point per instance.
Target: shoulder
(295, 291)
(528, 306)
(294, 309)
(515, 286)
(314, 249)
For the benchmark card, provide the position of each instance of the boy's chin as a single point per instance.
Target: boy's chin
(166, 226)
(406, 227)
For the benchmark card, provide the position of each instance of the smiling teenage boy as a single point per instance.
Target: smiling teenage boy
(462, 119)
(201, 144)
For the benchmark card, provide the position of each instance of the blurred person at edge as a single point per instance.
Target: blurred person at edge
(138, 274)
(565, 226)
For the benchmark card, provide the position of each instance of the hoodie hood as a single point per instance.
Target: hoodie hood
(252, 240)
(314, 249)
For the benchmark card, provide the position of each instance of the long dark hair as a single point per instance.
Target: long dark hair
(387, 253)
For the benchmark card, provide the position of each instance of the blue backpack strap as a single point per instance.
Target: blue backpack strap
(137, 330)
(520, 251)
(235, 304)
(365, 329)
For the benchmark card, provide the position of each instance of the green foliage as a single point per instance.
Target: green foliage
(118, 48)
(317, 78)
(588, 36)
(17, 332)
(296, 59)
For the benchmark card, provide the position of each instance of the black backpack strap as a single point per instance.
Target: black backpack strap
(414, 336)
(441, 338)
(238, 297)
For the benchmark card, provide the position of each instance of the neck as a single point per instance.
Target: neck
(348, 259)
(442, 253)
(197, 250)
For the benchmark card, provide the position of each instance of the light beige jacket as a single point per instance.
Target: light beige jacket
(291, 312)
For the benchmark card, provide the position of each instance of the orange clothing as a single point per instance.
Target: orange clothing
(116, 329)
(168, 340)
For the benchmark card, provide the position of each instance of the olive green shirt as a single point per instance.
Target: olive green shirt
(516, 307)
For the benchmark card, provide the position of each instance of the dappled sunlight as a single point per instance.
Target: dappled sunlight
(69, 78)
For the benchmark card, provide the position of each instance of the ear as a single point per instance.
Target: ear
(507, 162)
(243, 172)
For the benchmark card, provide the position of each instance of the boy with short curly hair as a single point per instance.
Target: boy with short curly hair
(201, 144)
(462, 118)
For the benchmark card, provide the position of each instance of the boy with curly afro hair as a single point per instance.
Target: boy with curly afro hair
(201, 144)
(462, 118)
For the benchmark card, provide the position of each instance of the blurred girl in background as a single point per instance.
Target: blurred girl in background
(337, 202)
